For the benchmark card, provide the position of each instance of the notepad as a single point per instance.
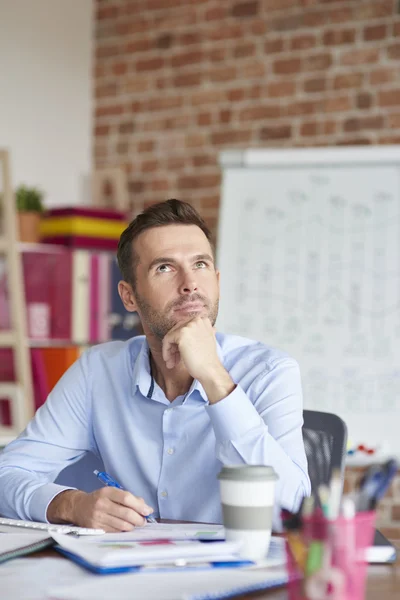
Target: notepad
(121, 555)
(13, 545)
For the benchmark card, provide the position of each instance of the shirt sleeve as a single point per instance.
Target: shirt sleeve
(264, 426)
(58, 435)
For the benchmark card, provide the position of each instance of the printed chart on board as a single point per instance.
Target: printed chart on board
(310, 263)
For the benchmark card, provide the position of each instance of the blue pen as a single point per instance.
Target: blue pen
(108, 480)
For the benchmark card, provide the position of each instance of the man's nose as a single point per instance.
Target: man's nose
(188, 284)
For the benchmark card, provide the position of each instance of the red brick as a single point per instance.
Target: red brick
(375, 32)
(393, 51)
(191, 37)
(336, 104)
(107, 51)
(195, 140)
(310, 128)
(136, 186)
(235, 95)
(316, 62)
(216, 54)
(227, 32)
(315, 18)
(149, 64)
(126, 127)
(187, 80)
(390, 98)
(164, 41)
(222, 74)
(160, 185)
(287, 23)
(302, 42)
(302, 107)
(276, 132)
(254, 92)
(230, 137)
(253, 70)
(225, 116)
(360, 56)
(107, 12)
(383, 75)
(176, 162)
(328, 127)
(204, 118)
(119, 68)
(149, 166)
(394, 121)
(244, 49)
(373, 9)
(272, 46)
(338, 37)
(364, 100)
(262, 112)
(139, 83)
(164, 103)
(389, 139)
(280, 89)
(106, 90)
(215, 13)
(186, 58)
(140, 45)
(245, 9)
(188, 182)
(287, 66)
(396, 512)
(146, 146)
(315, 84)
(108, 111)
(101, 130)
(209, 202)
(354, 141)
(207, 96)
(204, 160)
(348, 80)
(360, 124)
(258, 27)
(396, 28)
(122, 148)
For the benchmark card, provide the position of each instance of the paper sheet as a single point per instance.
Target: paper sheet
(13, 541)
(176, 531)
(164, 586)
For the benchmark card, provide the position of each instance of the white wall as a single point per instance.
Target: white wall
(46, 95)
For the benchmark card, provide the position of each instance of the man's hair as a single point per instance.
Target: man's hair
(170, 212)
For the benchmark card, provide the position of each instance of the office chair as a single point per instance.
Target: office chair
(325, 442)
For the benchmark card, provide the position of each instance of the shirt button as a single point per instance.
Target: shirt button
(171, 450)
(164, 494)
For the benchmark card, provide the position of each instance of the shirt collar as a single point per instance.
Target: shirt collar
(143, 380)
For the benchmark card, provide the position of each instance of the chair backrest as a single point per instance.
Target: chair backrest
(325, 442)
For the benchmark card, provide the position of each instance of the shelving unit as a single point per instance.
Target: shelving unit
(19, 392)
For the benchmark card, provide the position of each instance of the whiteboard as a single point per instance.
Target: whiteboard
(309, 254)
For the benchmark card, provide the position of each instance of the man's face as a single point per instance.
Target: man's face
(175, 278)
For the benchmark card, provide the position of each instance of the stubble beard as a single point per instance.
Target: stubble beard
(160, 323)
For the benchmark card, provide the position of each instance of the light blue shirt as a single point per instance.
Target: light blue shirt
(170, 453)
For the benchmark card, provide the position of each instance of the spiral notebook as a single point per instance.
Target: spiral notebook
(14, 545)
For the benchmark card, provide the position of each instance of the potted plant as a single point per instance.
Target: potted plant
(29, 201)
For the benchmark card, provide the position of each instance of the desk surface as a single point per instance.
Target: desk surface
(383, 581)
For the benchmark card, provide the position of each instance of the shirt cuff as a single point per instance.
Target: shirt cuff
(233, 416)
(41, 499)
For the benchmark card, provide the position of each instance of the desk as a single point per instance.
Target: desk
(383, 581)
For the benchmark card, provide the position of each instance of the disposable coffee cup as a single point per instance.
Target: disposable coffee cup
(247, 498)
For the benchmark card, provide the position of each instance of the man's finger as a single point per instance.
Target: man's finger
(127, 499)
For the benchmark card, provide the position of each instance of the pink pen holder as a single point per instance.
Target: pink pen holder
(326, 560)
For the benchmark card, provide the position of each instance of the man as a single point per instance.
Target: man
(166, 410)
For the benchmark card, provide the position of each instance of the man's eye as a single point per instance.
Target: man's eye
(201, 264)
(163, 268)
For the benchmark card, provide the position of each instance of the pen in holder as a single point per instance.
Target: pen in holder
(326, 559)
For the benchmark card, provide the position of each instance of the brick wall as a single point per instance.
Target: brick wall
(177, 81)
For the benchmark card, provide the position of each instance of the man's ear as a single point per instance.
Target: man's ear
(218, 274)
(127, 296)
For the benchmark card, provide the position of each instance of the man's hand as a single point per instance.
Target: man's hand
(109, 508)
(194, 343)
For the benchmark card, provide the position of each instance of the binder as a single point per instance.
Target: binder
(16, 545)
